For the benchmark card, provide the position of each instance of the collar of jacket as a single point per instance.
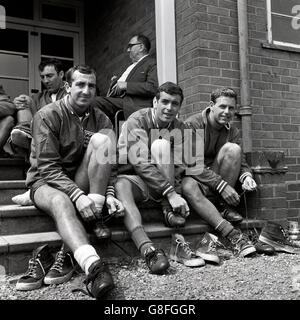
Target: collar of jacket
(69, 107)
(155, 122)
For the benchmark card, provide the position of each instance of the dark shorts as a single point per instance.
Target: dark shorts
(33, 189)
(148, 193)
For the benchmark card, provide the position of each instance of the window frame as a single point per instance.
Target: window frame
(271, 41)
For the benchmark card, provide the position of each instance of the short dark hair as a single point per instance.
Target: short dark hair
(80, 68)
(171, 89)
(145, 41)
(225, 92)
(57, 64)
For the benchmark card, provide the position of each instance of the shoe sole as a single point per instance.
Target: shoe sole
(278, 247)
(29, 286)
(248, 251)
(197, 262)
(208, 257)
(58, 280)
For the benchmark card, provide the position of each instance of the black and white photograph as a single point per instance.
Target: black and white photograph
(150, 154)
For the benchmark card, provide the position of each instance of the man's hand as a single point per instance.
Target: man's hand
(230, 196)
(249, 184)
(122, 85)
(86, 208)
(178, 204)
(22, 102)
(114, 206)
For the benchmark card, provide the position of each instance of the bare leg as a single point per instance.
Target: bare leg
(203, 207)
(228, 162)
(163, 158)
(59, 206)
(93, 175)
(129, 194)
(6, 124)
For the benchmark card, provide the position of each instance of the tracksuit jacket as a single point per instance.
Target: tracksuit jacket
(227, 134)
(137, 129)
(59, 141)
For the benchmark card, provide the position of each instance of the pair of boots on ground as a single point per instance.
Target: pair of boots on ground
(45, 269)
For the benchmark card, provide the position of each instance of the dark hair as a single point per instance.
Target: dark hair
(171, 89)
(57, 64)
(80, 68)
(145, 41)
(225, 92)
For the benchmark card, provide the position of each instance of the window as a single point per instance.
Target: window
(284, 22)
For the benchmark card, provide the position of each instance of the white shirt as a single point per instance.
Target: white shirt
(128, 70)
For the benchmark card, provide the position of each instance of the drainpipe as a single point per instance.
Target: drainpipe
(245, 109)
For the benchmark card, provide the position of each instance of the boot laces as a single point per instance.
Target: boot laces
(185, 246)
(59, 261)
(96, 272)
(152, 256)
(32, 267)
(286, 236)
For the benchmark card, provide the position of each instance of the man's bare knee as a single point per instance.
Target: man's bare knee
(122, 186)
(61, 204)
(190, 187)
(232, 150)
(99, 140)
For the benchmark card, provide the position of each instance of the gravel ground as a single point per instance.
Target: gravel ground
(256, 278)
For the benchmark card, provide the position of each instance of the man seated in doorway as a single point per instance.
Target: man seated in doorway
(68, 179)
(145, 144)
(7, 113)
(51, 73)
(224, 165)
(136, 87)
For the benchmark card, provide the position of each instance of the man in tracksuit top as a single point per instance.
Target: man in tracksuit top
(67, 175)
(145, 145)
(224, 165)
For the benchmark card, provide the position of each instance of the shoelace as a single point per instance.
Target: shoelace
(59, 261)
(152, 255)
(91, 277)
(185, 246)
(286, 236)
(33, 263)
(212, 246)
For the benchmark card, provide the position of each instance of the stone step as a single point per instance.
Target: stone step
(15, 219)
(12, 169)
(15, 250)
(9, 189)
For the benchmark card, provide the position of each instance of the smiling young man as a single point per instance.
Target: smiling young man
(224, 165)
(68, 181)
(147, 142)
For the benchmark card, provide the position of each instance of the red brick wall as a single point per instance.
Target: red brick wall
(109, 25)
(208, 57)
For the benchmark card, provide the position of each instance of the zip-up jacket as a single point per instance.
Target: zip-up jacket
(59, 141)
(139, 132)
(228, 133)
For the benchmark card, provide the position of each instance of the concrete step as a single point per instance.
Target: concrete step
(15, 250)
(12, 169)
(15, 219)
(9, 189)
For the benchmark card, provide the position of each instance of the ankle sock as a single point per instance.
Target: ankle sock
(224, 227)
(86, 255)
(140, 239)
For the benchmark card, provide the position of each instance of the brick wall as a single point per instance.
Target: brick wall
(109, 25)
(208, 57)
